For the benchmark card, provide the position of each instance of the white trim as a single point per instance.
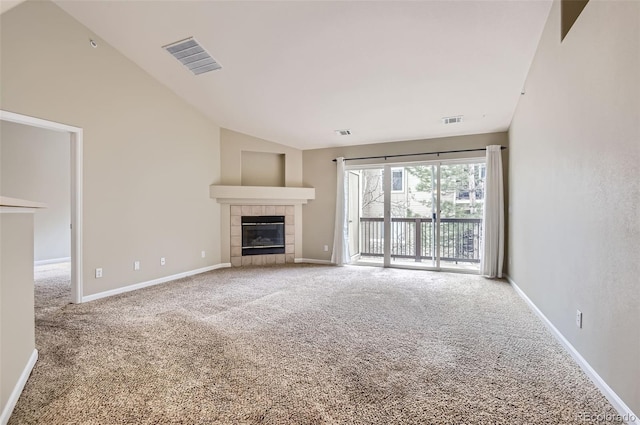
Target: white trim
(311, 261)
(6, 201)
(152, 282)
(52, 261)
(77, 179)
(17, 210)
(17, 389)
(76, 190)
(261, 195)
(37, 122)
(614, 399)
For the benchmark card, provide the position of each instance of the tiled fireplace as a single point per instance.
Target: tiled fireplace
(249, 216)
(256, 201)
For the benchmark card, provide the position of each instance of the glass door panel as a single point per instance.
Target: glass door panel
(460, 219)
(412, 207)
(370, 228)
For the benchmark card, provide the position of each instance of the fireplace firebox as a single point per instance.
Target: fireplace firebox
(263, 235)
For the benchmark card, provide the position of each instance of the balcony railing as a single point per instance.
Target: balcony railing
(415, 238)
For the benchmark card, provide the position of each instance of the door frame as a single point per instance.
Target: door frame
(354, 255)
(76, 190)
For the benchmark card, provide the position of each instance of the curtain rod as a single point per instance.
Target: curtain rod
(417, 154)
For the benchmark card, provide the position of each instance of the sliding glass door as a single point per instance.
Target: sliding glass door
(420, 215)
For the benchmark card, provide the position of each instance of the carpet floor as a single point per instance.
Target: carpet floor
(302, 344)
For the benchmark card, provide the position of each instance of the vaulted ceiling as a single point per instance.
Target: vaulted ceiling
(293, 72)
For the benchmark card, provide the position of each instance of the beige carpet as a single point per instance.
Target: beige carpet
(302, 345)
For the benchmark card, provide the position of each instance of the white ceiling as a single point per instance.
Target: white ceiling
(293, 72)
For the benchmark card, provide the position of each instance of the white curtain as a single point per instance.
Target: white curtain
(492, 246)
(340, 255)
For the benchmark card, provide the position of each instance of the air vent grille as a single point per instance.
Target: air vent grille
(452, 120)
(193, 56)
(343, 132)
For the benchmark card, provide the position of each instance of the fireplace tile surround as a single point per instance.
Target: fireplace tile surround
(236, 213)
(260, 200)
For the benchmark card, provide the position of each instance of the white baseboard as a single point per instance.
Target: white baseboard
(17, 389)
(311, 261)
(52, 261)
(623, 410)
(152, 282)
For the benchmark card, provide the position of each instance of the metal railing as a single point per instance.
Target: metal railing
(415, 238)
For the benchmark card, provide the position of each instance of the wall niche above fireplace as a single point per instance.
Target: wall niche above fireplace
(262, 169)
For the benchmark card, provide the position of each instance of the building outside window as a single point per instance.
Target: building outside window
(397, 180)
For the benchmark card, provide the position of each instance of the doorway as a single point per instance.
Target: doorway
(75, 135)
(421, 215)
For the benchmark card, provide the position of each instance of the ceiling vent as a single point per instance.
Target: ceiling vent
(452, 120)
(192, 55)
(343, 132)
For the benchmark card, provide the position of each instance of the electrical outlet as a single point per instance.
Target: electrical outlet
(136, 265)
(325, 248)
(579, 319)
(163, 261)
(99, 273)
(203, 254)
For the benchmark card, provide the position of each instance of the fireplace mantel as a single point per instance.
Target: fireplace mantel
(261, 195)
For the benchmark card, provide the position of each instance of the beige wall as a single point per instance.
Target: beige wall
(17, 335)
(233, 144)
(263, 169)
(575, 188)
(35, 164)
(320, 172)
(149, 157)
